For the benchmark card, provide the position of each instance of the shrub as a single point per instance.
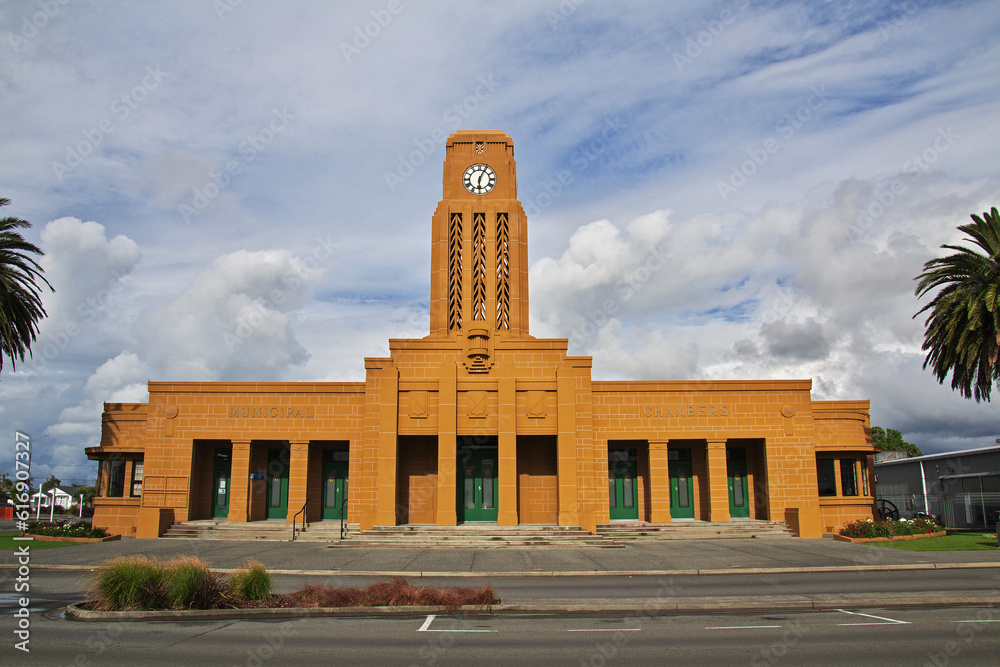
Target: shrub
(129, 582)
(252, 582)
(392, 593)
(191, 585)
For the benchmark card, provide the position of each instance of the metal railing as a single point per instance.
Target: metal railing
(343, 519)
(294, 518)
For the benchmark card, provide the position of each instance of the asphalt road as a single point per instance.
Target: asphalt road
(953, 636)
(51, 589)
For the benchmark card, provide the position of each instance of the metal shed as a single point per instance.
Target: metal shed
(961, 489)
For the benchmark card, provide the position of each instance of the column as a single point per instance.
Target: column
(566, 446)
(298, 478)
(718, 480)
(447, 446)
(239, 482)
(385, 499)
(507, 451)
(659, 482)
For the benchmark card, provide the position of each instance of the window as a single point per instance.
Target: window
(136, 479)
(827, 477)
(848, 477)
(116, 478)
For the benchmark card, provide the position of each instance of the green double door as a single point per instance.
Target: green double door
(334, 484)
(622, 487)
(221, 483)
(736, 467)
(477, 486)
(681, 484)
(277, 483)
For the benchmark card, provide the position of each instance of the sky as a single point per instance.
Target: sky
(231, 190)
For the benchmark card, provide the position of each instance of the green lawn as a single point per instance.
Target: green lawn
(952, 542)
(7, 542)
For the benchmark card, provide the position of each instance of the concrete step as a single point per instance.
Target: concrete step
(694, 530)
(320, 531)
(477, 537)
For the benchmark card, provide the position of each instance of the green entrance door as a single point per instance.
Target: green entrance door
(736, 463)
(477, 487)
(622, 487)
(334, 484)
(681, 487)
(221, 469)
(277, 483)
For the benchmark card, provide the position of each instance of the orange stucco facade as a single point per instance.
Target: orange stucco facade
(481, 422)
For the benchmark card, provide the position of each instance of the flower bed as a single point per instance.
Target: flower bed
(62, 531)
(868, 530)
(861, 540)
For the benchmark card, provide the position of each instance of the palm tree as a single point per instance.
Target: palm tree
(20, 301)
(963, 328)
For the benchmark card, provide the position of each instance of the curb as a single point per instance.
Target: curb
(615, 607)
(578, 573)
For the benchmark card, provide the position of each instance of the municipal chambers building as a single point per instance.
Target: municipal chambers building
(481, 422)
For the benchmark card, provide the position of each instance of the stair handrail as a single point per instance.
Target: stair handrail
(343, 519)
(301, 511)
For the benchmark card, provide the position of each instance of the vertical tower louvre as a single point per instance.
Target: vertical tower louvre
(479, 257)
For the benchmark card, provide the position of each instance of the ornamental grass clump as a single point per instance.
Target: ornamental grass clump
(252, 582)
(868, 529)
(129, 583)
(192, 585)
(392, 593)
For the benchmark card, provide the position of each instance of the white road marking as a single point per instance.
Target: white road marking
(606, 630)
(426, 627)
(887, 621)
(740, 627)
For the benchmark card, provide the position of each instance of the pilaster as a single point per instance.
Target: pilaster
(718, 480)
(659, 481)
(239, 482)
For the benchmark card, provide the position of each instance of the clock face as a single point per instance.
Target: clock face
(479, 179)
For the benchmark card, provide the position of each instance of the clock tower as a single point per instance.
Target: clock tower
(479, 255)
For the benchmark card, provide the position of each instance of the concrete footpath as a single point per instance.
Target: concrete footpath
(664, 559)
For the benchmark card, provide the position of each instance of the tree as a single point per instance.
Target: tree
(20, 296)
(892, 441)
(963, 328)
(51, 482)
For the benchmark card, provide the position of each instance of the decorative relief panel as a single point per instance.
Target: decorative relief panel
(477, 404)
(418, 404)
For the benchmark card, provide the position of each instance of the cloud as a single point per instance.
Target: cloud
(234, 322)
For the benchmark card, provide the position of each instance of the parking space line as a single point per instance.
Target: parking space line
(886, 621)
